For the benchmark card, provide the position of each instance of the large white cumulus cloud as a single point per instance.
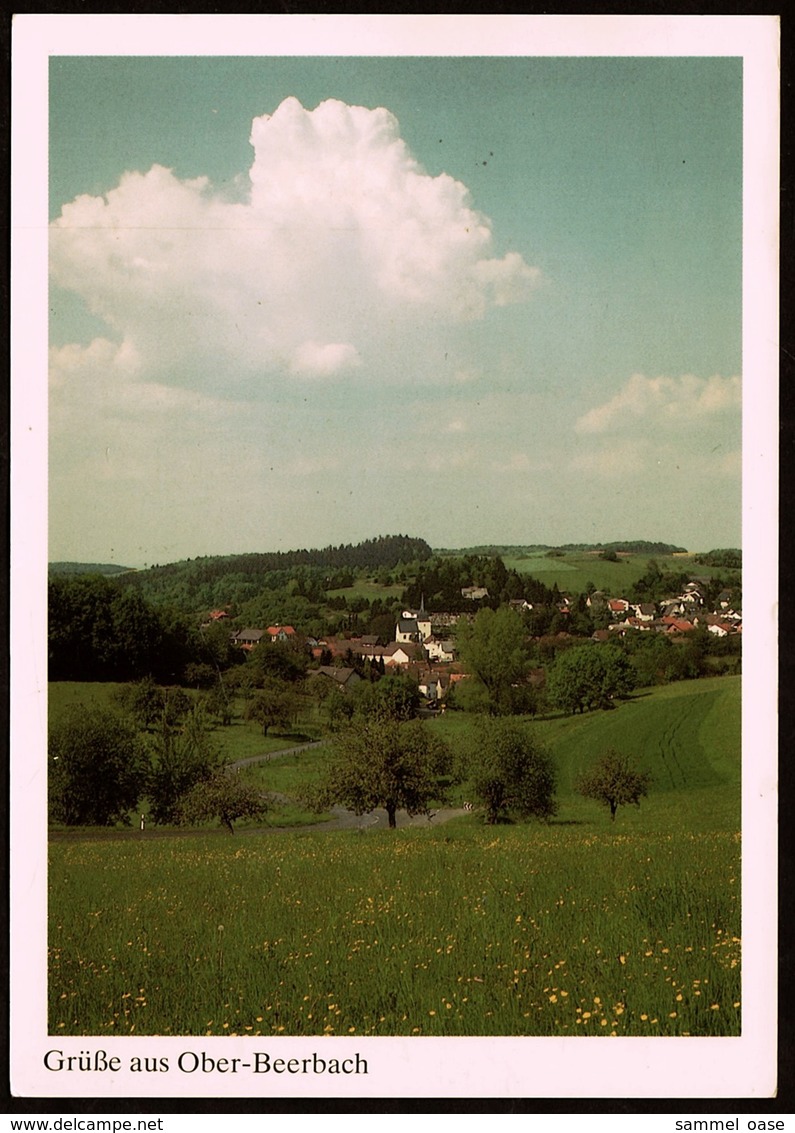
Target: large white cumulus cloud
(342, 235)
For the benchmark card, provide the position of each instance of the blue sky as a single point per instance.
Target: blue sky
(479, 300)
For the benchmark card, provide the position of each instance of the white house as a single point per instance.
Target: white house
(407, 629)
(439, 650)
(413, 625)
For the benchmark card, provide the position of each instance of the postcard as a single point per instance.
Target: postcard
(394, 512)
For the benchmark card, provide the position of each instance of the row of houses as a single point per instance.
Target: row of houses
(676, 615)
(249, 639)
(432, 684)
(714, 624)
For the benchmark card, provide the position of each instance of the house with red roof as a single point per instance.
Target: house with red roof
(280, 633)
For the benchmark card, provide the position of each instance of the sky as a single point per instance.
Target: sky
(300, 301)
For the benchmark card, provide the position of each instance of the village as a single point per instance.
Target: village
(424, 644)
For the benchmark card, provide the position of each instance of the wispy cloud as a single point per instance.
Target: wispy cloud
(665, 401)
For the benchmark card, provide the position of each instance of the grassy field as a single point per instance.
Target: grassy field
(239, 740)
(368, 588)
(574, 571)
(687, 735)
(455, 931)
(576, 927)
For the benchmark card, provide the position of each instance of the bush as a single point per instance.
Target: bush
(98, 768)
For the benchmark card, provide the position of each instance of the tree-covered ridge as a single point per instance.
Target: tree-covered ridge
(235, 579)
(629, 547)
(383, 551)
(86, 568)
(729, 557)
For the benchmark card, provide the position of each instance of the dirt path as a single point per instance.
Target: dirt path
(341, 819)
(377, 819)
(277, 754)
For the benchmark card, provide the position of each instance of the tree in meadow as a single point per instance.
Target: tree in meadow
(182, 757)
(614, 780)
(511, 773)
(381, 762)
(225, 796)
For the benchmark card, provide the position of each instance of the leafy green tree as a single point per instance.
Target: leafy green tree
(589, 676)
(279, 660)
(224, 795)
(395, 696)
(241, 681)
(149, 703)
(379, 762)
(215, 645)
(200, 674)
(614, 781)
(218, 702)
(337, 705)
(494, 651)
(143, 700)
(181, 758)
(273, 706)
(100, 630)
(511, 773)
(98, 768)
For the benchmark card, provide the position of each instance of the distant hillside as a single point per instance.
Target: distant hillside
(628, 546)
(384, 551)
(87, 568)
(730, 557)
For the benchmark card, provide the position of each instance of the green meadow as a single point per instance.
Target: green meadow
(579, 926)
(573, 571)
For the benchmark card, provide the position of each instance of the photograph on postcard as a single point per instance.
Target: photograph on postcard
(395, 552)
(299, 307)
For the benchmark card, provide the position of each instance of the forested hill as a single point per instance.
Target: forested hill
(385, 551)
(629, 547)
(87, 568)
(221, 579)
